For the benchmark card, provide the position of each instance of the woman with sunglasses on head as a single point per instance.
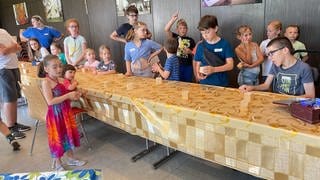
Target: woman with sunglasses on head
(287, 75)
(45, 34)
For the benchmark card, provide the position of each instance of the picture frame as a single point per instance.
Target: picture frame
(210, 3)
(53, 10)
(20, 13)
(143, 6)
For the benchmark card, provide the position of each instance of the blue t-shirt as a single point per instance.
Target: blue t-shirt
(172, 65)
(222, 49)
(45, 36)
(133, 53)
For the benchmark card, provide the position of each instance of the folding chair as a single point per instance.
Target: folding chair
(37, 105)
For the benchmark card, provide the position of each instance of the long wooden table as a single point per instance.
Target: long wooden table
(246, 132)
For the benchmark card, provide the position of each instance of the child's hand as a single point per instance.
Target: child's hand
(128, 73)
(201, 76)
(75, 82)
(240, 65)
(187, 50)
(74, 95)
(175, 16)
(155, 67)
(94, 72)
(245, 88)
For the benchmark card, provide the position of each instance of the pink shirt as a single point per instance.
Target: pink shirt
(91, 65)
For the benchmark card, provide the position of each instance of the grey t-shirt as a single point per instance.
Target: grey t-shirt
(290, 81)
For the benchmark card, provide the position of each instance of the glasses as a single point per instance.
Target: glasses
(133, 15)
(73, 26)
(270, 53)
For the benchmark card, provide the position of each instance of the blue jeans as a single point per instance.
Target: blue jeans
(248, 78)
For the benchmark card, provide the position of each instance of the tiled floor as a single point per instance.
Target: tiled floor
(111, 152)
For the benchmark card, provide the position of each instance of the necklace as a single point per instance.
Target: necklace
(54, 80)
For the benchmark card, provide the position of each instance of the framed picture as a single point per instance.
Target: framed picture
(209, 3)
(143, 6)
(20, 13)
(53, 10)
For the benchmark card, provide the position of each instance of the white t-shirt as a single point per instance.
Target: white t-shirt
(74, 46)
(267, 63)
(9, 61)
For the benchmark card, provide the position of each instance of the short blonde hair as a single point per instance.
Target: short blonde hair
(182, 22)
(276, 24)
(103, 47)
(89, 50)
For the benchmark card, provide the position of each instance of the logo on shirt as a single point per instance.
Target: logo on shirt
(46, 34)
(132, 49)
(287, 83)
(218, 50)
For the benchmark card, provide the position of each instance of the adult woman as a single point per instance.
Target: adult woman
(45, 34)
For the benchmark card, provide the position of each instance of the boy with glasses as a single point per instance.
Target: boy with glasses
(121, 32)
(289, 75)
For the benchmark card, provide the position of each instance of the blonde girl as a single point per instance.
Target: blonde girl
(139, 51)
(273, 30)
(250, 57)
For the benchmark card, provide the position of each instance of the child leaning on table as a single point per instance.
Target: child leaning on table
(288, 75)
(139, 51)
(63, 135)
(91, 62)
(106, 65)
(68, 74)
(171, 67)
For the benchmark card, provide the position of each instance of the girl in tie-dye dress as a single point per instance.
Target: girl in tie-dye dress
(62, 130)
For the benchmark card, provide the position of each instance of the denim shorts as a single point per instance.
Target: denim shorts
(9, 86)
(248, 78)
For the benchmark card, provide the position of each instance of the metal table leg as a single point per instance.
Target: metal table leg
(145, 151)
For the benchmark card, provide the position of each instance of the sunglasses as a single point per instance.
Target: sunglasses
(270, 53)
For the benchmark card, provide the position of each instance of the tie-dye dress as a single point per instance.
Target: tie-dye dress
(62, 130)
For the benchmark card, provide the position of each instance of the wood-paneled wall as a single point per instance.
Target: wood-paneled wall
(101, 20)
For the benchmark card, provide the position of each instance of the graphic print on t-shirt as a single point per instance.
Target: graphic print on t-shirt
(183, 43)
(286, 83)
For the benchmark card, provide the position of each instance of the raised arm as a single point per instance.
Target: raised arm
(168, 26)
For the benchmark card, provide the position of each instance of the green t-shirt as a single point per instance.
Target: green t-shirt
(62, 58)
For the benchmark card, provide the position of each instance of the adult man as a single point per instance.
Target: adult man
(9, 87)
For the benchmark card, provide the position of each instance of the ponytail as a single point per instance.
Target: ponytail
(130, 35)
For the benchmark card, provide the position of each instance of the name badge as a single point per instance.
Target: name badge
(218, 50)
(132, 49)
(46, 34)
